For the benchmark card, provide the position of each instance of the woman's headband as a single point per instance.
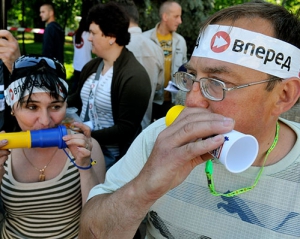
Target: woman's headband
(13, 91)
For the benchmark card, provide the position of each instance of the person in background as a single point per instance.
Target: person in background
(9, 49)
(82, 51)
(243, 82)
(9, 52)
(180, 95)
(114, 88)
(54, 35)
(174, 48)
(149, 54)
(43, 189)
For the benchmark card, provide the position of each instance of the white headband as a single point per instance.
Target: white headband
(249, 49)
(13, 91)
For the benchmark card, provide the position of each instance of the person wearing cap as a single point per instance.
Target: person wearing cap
(243, 73)
(43, 189)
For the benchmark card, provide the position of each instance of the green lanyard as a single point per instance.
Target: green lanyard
(209, 173)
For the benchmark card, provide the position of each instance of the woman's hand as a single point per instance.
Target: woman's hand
(80, 144)
(3, 156)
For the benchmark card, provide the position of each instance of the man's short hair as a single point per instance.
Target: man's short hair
(165, 7)
(50, 5)
(130, 8)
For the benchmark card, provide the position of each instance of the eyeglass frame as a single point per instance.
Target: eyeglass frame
(222, 84)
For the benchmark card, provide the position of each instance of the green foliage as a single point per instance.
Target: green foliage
(292, 5)
(220, 4)
(32, 47)
(66, 11)
(194, 12)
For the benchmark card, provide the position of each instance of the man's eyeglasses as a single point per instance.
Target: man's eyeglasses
(211, 89)
(24, 63)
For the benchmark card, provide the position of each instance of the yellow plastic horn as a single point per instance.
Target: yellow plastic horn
(173, 113)
(17, 140)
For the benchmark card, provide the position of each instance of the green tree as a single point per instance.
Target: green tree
(194, 12)
(292, 5)
(66, 11)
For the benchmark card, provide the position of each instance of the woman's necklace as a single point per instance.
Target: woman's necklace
(42, 171)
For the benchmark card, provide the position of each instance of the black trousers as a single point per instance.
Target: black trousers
(160, 111)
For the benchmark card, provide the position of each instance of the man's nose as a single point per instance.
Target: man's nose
(195, 98)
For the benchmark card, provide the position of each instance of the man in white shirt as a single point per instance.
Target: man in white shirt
(174, 48)
(149, 54)
(244, 82)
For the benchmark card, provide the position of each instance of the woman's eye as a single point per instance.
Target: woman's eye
(56, 107)
(31, 107)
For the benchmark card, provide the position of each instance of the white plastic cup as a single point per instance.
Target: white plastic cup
(238, 152)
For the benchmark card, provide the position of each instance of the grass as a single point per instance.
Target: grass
(31, 47)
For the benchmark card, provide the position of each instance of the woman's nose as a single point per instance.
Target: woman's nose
(44, 118)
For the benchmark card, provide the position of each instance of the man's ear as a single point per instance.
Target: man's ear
(288, 94)
(165, 16)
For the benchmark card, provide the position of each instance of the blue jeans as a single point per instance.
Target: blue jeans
(109, 158)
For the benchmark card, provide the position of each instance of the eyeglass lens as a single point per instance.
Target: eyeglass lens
(210, 88)
(183, 81)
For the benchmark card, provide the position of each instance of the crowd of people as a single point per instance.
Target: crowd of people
(127, 166)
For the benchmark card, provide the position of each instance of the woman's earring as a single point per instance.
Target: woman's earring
(110, 43)
(12, 113)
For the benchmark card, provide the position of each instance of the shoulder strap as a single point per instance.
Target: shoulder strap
(99, 69)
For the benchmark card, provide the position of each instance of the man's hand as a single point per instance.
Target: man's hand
(180, 148)
(177, 151)
(9, 49)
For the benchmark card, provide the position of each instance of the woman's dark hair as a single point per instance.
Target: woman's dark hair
(83, 27)
(112, 20)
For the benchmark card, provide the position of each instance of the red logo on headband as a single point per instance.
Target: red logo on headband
(11, 93)
(220, 42)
